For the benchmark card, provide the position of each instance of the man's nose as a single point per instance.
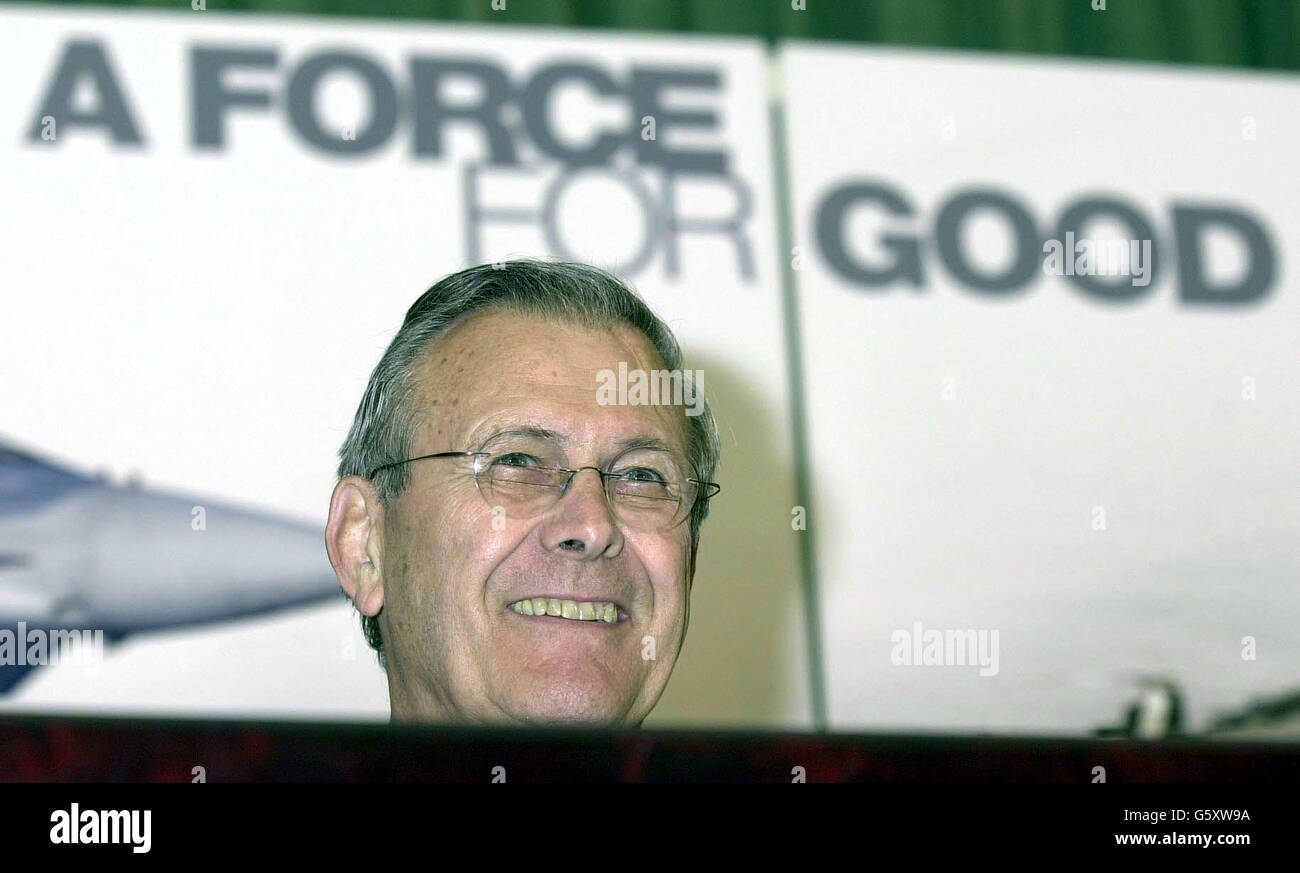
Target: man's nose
(582, 523)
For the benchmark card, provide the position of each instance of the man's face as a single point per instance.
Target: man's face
(451, 566)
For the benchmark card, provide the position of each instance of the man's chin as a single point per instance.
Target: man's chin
(562, 707)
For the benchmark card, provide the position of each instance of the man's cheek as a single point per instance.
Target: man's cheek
(665, 633)
(472, 527)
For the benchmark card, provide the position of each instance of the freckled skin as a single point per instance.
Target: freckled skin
(439, 575)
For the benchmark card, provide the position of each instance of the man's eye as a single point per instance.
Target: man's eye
(516, 459)
(642, 474)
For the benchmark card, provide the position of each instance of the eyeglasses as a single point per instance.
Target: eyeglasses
(646, 492)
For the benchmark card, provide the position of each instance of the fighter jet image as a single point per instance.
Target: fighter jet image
(78, 552)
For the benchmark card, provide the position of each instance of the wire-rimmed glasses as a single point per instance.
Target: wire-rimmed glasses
(647, 488)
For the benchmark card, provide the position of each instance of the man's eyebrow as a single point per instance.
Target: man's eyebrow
(644, 442)
(542, 433)
(627, 444)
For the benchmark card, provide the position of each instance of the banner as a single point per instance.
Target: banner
(214, 225)
(1049, 321)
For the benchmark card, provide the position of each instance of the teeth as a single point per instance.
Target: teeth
(571, 609)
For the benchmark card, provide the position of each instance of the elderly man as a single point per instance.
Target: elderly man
(520, 546)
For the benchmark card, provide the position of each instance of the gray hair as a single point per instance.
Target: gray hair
(386, 422)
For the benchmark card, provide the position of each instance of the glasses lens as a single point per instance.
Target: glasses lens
(646, 489)
(650, 491)
(519, 475)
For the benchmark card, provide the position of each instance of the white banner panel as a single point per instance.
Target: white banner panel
(214, 224)
(1038, 483)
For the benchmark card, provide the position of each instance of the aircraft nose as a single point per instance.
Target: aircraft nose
(163, 561)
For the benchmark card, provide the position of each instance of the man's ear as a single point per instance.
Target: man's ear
(354, 538)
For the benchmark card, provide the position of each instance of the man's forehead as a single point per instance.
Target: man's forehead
(502, 370)
(530, 346)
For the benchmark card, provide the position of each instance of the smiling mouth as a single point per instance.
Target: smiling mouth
(573, 610)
